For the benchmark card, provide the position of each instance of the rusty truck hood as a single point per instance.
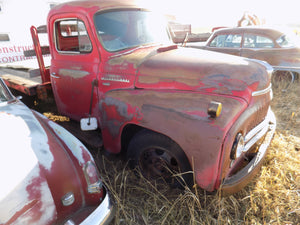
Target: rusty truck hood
(187, 69)
(204, 71)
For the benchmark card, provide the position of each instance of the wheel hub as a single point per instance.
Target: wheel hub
(157, 163)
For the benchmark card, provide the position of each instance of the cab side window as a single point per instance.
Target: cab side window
(264, 42)
(249, 41)
(227, 41)
(71, 37)
(218, 41)
(257, 41)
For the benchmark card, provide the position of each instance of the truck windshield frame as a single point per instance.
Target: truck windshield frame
(124, 29)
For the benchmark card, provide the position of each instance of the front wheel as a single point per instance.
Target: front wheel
(158, 157)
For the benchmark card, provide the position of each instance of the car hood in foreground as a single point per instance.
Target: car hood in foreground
(40, 163)
(25, 196)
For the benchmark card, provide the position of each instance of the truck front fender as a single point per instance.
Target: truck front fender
(182, 116)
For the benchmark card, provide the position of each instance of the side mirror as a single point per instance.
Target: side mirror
(88, 124)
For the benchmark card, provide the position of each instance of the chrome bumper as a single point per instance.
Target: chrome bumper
(239, 180)
(103, 214)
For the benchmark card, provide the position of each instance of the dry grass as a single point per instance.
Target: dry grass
(56, 118)
(273, 197)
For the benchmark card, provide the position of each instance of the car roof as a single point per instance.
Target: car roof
(267, 31)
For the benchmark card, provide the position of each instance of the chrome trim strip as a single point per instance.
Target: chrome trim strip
(266, 143)
(54, 75)
(288, 68)
(112, 77)
(259, 131)
(103, 214)
(262, 92)
(255, 130)
(258, 136)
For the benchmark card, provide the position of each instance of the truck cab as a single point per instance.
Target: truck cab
(85, 45)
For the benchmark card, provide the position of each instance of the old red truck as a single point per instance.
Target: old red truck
(203, 114)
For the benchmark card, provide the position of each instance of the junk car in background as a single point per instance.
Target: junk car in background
(279, 47)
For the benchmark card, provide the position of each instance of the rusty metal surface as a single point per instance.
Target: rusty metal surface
(26, 83)
(175, 89)
(189, 69)
(181, 116)
(21, 84)
(196, 70)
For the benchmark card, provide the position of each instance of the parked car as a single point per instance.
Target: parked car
(278, 47)
(47, 175)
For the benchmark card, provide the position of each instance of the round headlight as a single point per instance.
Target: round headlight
(237, 147)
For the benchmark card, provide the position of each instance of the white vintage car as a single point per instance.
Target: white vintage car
(47, 175)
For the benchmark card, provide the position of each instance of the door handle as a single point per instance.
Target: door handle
(54, 75)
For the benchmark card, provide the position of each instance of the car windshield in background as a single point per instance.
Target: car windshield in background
(4, 93)
(120, 30)
(289, 40)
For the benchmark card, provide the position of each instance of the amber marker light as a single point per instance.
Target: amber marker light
(214, 109)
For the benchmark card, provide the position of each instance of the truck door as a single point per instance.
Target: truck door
(74, 66)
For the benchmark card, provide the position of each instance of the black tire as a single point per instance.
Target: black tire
(159, 158)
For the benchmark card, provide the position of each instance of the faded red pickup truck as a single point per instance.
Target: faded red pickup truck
(172, 110)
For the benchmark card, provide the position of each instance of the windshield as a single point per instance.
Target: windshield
(5, 94)
(118, 30)
(289, 40)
